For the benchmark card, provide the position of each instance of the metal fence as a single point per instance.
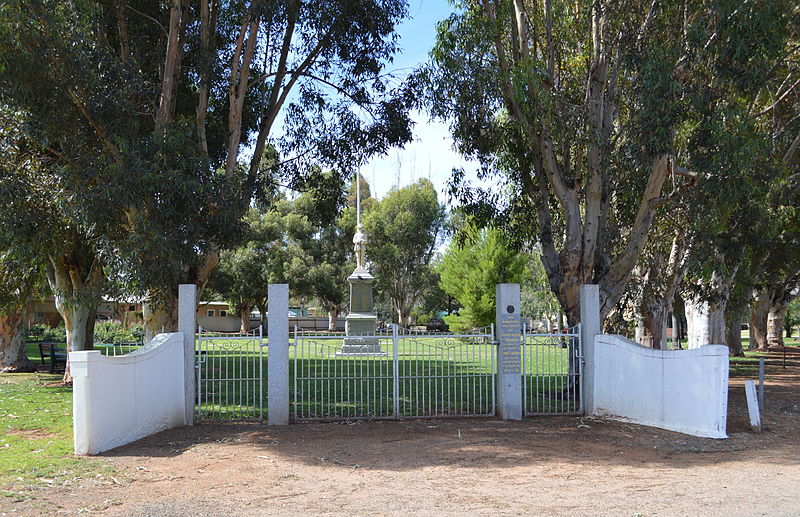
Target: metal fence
(231, 376)
(399, 374)
(551, 372)
(115, 349)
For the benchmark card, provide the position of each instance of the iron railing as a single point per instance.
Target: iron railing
(409, 374)
(551, 372)
(231, 376)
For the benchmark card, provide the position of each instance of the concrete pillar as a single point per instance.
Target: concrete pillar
(509, 352)
(590, 327)
(82, 365)
(278, 354)
(187, 324)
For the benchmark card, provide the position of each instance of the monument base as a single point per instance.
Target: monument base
(361, 346)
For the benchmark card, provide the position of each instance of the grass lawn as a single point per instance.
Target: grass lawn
(36, 446)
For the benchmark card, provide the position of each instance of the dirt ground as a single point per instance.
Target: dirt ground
(541, 466)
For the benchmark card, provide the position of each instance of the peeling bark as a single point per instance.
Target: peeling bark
(76, 278)
(706, 320)
(733, 333)
(333, 315)
(775, 326)
(160, 316)
(13, 357)
(661, 281)
(244, 319)
(759, 313)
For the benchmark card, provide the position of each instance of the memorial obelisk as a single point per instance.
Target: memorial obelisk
(360, 322)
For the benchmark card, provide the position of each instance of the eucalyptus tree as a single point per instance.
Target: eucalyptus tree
(145, 108)
(404, 229)
(576, 105)
(19, 280)
(777, 278)
(44, 234)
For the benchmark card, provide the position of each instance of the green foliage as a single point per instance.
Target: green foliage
(570, 116)
(469, 273)
(117, 332)
(792, 318)
(146, 201)
(403, 230)
(537, 300)
(292, 243)
(45, 333)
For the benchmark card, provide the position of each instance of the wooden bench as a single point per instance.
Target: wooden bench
(55, 352)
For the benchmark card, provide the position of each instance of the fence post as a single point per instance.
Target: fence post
(509, 352)
(590, 327)
(278, 354)
(187, 324)
(396, 372)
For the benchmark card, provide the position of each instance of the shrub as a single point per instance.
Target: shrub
(116, 332)
(43, 333)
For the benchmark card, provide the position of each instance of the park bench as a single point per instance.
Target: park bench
(55, 352)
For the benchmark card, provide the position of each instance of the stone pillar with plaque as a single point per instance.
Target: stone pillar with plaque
(509, 352)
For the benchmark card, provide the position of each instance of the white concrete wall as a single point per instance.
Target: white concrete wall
(679, 390)
(117, 400)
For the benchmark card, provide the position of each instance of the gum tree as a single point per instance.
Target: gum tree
(145, 109)
(576, 106)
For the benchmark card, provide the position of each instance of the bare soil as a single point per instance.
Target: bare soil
(540, 466)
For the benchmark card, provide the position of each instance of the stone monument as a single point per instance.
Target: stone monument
(360, 322)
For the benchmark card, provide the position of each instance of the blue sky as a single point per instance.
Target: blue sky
(431, 154)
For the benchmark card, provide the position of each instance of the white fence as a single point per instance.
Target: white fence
(406, 374)
(117, 400)
(679, 390)
(121, 399)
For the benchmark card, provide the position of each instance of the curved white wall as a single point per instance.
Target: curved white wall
(117, 400)
(679, 390)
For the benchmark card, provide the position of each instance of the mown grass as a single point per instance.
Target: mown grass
(36, 447)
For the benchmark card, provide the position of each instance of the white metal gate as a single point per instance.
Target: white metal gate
(552, 364)
(231, 376)
(412, 375)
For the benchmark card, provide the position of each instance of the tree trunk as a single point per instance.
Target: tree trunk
(404, 318)
(76, 279)
(652, 329)
(333, 315)
(79, 317)
(733, 334)
(775, 326)
(262, 312)
(244, 316)
(759, 314)
(160, 316)
(706, 322)
(676, 331)
(13, 357)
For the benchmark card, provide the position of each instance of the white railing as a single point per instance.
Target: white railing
(230, 368)
(551, 372)
(399, 374)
